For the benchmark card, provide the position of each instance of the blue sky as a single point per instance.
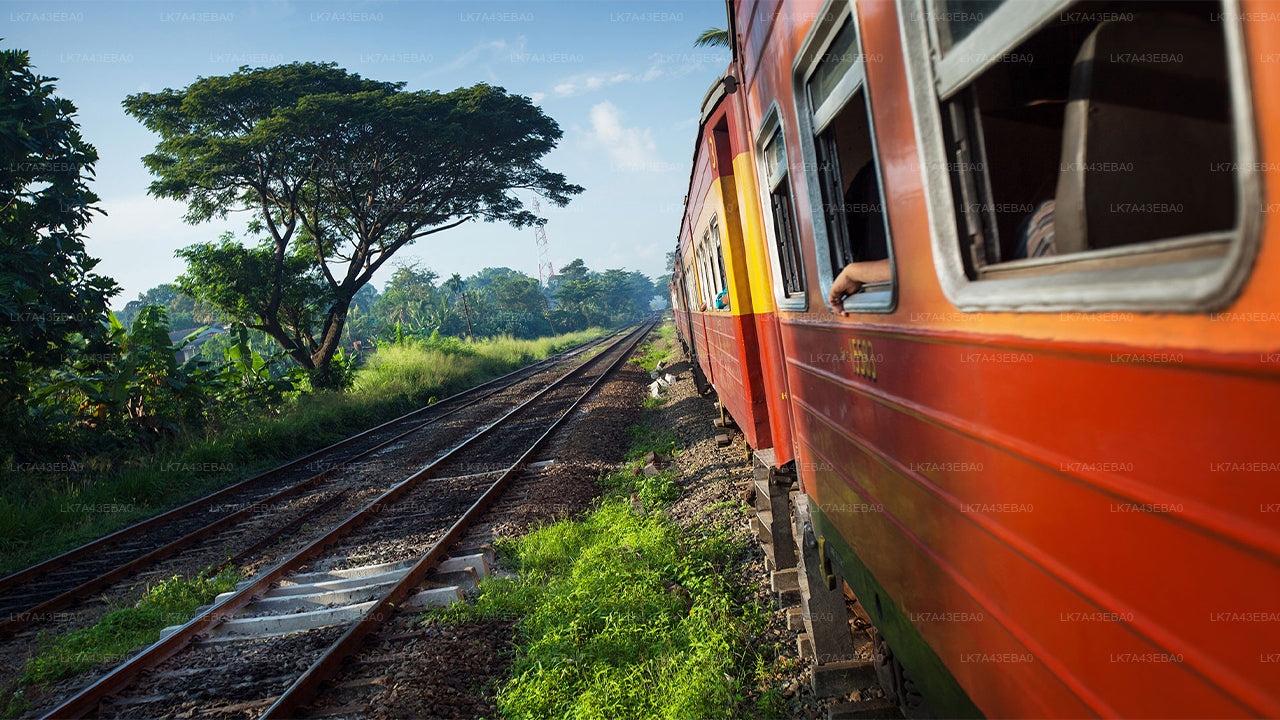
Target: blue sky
(622, 78)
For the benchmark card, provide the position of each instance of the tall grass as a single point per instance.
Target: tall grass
(41, 516)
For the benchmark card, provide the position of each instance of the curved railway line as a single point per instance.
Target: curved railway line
(28, 596)
(418, 540)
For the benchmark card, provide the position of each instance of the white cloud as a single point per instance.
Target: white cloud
(486, 53)
(629, 149)
(578, 84)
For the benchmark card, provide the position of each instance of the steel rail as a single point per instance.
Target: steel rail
(305, 688)
(21, 618)
(85, 701)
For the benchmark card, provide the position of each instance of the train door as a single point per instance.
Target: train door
(729, 241)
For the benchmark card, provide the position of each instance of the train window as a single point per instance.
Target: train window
(719, 278)
(837, 141)
(784, 242)
(1089, 155)
(704, 283)
(690, 287)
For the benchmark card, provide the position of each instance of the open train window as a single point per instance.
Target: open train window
(1085, 155)
(704, 277)
(690, 287)
(719, 280)
(784, 241)
(837, 142)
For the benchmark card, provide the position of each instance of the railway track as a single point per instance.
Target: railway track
(30, 595)
(279, 637)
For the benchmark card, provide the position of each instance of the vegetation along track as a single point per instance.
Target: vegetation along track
(275, 639)
(31, 595)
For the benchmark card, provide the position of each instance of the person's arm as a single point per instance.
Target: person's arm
(851, 280)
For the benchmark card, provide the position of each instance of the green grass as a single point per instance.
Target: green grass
(625, 614)
(117, 634)
(645, 439)
(622, 614)
(42, 516)
(661, 349)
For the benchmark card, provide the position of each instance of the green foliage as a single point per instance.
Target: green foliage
(714, 37)
(584, 296)
(650, 492)
(182, 311)
(343, 172)
(647, 439)
(51, 303)
(650, 356)
(622, 615)
(115, 482)
(241, 283)
(405, 369)
(653, 403)
(169, 602)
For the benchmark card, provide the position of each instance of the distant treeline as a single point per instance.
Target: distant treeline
(417, 303)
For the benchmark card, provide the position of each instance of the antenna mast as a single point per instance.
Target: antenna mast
(546, 271)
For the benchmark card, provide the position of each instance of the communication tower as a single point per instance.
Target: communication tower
(546, 271)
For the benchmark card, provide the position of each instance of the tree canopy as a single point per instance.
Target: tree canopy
(340, 173)
(51, 302)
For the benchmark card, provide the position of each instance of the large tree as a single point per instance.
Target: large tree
(50, 300)
(340, 173)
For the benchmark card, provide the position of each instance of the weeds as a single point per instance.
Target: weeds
(646, 439)
(658, 351)
(116, 635)
(622, 614)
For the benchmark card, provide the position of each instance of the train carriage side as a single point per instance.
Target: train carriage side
(1043, 461)
(714, 255)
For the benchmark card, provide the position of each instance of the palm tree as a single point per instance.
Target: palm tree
(713, 37)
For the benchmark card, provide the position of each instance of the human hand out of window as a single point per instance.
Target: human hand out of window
(852, 278)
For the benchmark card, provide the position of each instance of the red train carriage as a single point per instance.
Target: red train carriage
(1042, 453)
(728, 327)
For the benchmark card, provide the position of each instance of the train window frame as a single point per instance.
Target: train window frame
(798, 300)
(718, 280)
(722, 274)
(873, 297)
(690, 285)
(704, 279)
(1142, 277)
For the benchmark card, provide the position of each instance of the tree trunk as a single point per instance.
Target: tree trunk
(467, 310)
(272, 328)
(322, 359)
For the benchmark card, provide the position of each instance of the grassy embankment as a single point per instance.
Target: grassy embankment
(40, 517)
(624, 613)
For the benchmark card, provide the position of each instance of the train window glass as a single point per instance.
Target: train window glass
(956, 19)
(784, 242)
(1105, 142)
(838, 144)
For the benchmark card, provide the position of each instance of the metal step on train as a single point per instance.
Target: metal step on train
(831, 632)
